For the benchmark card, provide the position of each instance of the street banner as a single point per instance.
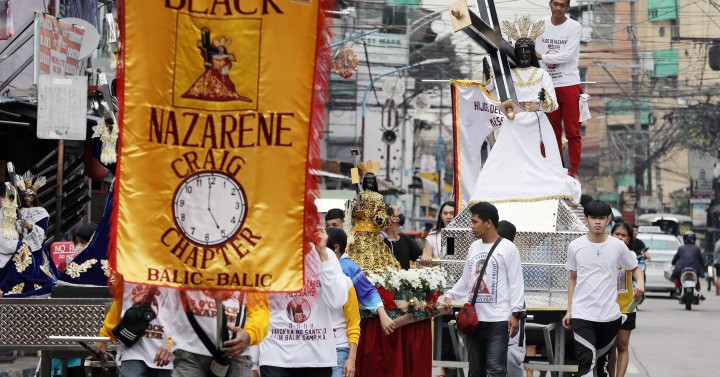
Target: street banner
(221, 103)
(475, 115)
(62, 107)
(57, 47)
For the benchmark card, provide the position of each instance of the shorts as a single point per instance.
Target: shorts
(629, 323)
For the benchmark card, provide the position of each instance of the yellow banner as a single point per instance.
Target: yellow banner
(215, 129)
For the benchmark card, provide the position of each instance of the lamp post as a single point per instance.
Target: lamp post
(370, 85)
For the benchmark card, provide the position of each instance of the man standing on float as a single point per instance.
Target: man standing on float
(558, 49)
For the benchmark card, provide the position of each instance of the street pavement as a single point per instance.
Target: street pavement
(24, 366)
(671, 341)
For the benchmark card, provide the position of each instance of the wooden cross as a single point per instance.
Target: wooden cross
(484, 29)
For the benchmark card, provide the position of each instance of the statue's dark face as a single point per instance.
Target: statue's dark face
(28, 200)
(524, 52)
(370, 182)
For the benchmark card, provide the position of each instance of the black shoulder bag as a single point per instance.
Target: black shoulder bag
(135, 320)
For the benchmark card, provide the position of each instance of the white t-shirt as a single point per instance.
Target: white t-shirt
(560, 49)
(433, 238)
(205, 310)
(503, 291)
(255, 355)
(301, 336)
(338, 321)
(159, 329)
(596, 264)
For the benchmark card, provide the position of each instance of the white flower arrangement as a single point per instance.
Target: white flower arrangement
(416, 290)
(416, 279)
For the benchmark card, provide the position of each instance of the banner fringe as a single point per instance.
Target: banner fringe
(116, 285)
(318, 118)
(457, 193)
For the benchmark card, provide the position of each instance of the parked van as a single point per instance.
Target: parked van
(668, 222)
(662, 247)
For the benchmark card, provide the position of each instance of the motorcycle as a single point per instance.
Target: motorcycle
(688, 296)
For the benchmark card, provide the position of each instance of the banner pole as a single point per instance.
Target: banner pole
(59, 189)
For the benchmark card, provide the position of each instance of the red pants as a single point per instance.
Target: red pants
(678, 286)
(568, 114)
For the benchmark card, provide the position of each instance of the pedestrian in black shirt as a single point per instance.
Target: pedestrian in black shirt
(638, 246)
(404, 248)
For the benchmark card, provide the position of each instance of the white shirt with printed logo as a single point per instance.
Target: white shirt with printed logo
(158, 329)
(560, 49)
(205, 310)
(596, 264)
(301, 336)
(503, 290)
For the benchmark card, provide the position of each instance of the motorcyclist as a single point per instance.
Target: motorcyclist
(688, 255)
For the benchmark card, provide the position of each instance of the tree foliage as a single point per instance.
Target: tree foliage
(701, 126)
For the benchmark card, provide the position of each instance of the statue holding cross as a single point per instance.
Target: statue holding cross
(526, 93)
(560, 60)
(484, 29)
(524, 165)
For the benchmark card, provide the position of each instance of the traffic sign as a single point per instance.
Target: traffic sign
(62, 252)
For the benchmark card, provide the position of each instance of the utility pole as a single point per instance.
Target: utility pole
(440, 153)
(639, 154)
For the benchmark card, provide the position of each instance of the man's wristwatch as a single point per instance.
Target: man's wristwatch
(517, 315)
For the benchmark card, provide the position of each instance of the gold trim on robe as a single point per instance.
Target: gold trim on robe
(74, 270)
(22, 259)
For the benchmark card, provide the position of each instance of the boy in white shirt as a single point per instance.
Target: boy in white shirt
(500, 298)
(516, 347)
(301, 342)
(592, 311)
(247, 319)
(151, 355)
(558, 49)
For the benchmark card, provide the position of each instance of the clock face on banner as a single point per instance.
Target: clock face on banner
(209, 208)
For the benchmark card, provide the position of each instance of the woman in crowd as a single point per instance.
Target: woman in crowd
(619, 355)
(433, 249)
(433, 240)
